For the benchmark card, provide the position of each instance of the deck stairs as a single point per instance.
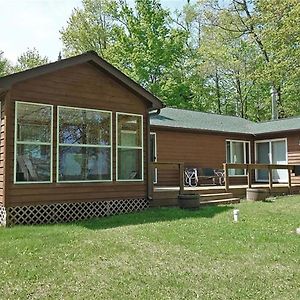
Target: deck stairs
(218, 198)
(207, 197)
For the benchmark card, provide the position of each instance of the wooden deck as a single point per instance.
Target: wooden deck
(214, 194)
(167, 196)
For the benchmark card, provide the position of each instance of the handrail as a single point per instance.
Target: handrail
(250, 167)
(167, 165)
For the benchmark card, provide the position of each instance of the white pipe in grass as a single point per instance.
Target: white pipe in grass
(236, 213)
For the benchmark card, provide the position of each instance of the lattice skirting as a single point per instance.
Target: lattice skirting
(2, 215)
(66, 212)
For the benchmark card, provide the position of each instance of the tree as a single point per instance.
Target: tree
(4, 65)
(89, 28)
(266, 26)
(29, 59)
(147, 47)
(141, 41)
(213, 55)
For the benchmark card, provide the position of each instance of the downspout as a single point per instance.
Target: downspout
(155, 113)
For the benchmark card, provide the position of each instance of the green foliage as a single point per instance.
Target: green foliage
(146, 47)
(140, 41)
(256, 43)
(4, 65)
(212, 55)
(89, 28)
(29, 59)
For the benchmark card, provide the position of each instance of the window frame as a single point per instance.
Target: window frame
(269, 141)
(58, 144)
(129, 147)
(16, 143)
(244, 151)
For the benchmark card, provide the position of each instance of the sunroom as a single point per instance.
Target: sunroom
(74, 142)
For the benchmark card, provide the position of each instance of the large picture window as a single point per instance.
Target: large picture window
(33, 143)
(84, 145)
(129, 147)
(237, 152)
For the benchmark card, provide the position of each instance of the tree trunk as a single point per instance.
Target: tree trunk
(274, 94)
(217, 81)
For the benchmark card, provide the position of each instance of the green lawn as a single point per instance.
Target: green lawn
(158, 254)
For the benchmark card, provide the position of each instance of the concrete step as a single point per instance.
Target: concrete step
(217, 196)
(221, 201)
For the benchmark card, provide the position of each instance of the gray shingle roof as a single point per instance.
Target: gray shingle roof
(288, 124)
(187, 119)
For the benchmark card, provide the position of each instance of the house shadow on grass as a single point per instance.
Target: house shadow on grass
(152, 215)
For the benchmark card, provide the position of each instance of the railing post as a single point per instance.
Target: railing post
(249, 176)
(290, 179)
(270, 178)
(150, 181)
(181, 171)
(226, 177)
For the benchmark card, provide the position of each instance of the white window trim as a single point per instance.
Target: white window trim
(270, 152)
(244, 146)
(130, 147)
(32, 143)
(58, 144)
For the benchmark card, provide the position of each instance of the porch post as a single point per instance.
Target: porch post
(290, 179)
(270, 178)
(150, 181)
(249, 175)
(181, 171)
(226, 178)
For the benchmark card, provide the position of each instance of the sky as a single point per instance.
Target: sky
(36, 23)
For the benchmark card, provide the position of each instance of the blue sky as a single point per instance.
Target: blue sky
(36, 23)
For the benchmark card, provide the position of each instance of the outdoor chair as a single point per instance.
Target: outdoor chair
(212, 176)
(220, 176)
(191, 176)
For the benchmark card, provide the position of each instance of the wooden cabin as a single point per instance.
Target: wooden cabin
(74, 142)
(207, 141)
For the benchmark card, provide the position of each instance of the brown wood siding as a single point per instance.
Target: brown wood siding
(80, 86)
(294, 153)
(195, 149)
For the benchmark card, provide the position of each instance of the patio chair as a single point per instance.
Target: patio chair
(211, 176)
(220, 176)
(191, 176)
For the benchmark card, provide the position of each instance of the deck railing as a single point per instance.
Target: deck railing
(179, 166)
(167, 165)
(249, 171)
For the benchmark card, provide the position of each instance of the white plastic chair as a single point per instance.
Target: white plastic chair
(191, 177)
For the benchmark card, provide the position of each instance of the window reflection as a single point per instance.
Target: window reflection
(84, 145)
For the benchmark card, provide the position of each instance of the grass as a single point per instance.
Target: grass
(158, 254)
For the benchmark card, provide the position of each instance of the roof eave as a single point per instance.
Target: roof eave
(199, 130)
(285, 131)
(91, 57)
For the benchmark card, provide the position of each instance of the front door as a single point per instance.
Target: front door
(272, 152)
(153, 153)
